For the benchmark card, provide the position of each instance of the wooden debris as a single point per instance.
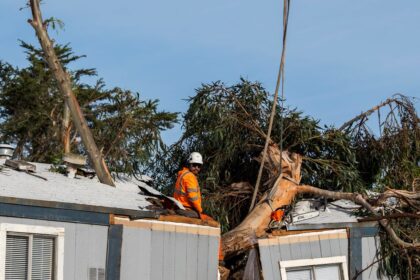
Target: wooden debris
(187, 220)
(224, 272)
(74, 159)
(171, 218)
(20, 165)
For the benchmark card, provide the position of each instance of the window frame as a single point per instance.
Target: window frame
(56, 232)
(302, 263)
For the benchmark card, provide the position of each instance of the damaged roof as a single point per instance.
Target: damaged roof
(18, 187)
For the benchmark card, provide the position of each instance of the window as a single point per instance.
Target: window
(31, 252)
(334, 268)
(318, 272)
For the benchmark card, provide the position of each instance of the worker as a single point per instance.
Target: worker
(187, 189)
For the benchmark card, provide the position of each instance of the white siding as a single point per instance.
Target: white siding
(85, 246)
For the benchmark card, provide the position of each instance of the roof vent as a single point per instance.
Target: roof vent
(73, 162)
(6, 151)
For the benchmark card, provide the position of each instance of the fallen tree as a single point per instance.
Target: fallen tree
(353, 161)
(286, 189)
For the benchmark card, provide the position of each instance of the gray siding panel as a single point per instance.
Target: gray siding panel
(82, 257)
(305, 249)
(369, 249)
(266, 264)
(295, 250)
(355, 256)
(298, 247)
(84, 245)
(344, 247)
(315, 247)
(203, 247)
(274, 259)
(89, 251)
(165, 253)
(130, 253)
(157, 255)
(96, 247)
(168, 255)
(144, 244)
(335, 247)
(213, 257)
(70, 252)
(325, 248)
(192, 256)
(285, 253)
(181, 258)
(97, 256)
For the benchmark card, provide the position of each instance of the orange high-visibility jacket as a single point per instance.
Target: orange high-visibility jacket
(187, 190)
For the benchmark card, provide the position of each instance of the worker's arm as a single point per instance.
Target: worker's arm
(193, 192)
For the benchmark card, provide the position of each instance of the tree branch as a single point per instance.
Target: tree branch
(367, 113)
(358, 199)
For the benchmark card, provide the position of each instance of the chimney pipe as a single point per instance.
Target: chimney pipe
(6, 151)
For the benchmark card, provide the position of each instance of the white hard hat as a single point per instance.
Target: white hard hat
(195, 158)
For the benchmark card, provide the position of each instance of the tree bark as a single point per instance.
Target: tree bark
(66, 129)
(64, 85)
(245, 235)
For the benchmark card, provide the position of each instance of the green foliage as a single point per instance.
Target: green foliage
(397, 262)
(227, 125)
(29, 104)
(126, 128)
(55, 23)
(216, 125)
(390, 158)
(132, 125)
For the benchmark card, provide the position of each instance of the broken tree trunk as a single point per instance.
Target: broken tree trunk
(285, 189)
(64, 85)
(243, 237)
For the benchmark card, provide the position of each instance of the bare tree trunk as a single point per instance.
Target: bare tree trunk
(66, 129)
(243, 237)
(64, 85)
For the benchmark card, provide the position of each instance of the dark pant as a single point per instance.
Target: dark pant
(187, 213)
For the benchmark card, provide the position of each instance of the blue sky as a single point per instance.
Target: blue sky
(343, 57)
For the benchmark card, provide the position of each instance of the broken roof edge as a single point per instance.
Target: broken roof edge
(168, 226)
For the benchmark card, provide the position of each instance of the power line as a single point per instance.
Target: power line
(280, 78)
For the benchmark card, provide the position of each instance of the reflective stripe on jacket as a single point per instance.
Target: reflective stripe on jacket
(187, 190)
